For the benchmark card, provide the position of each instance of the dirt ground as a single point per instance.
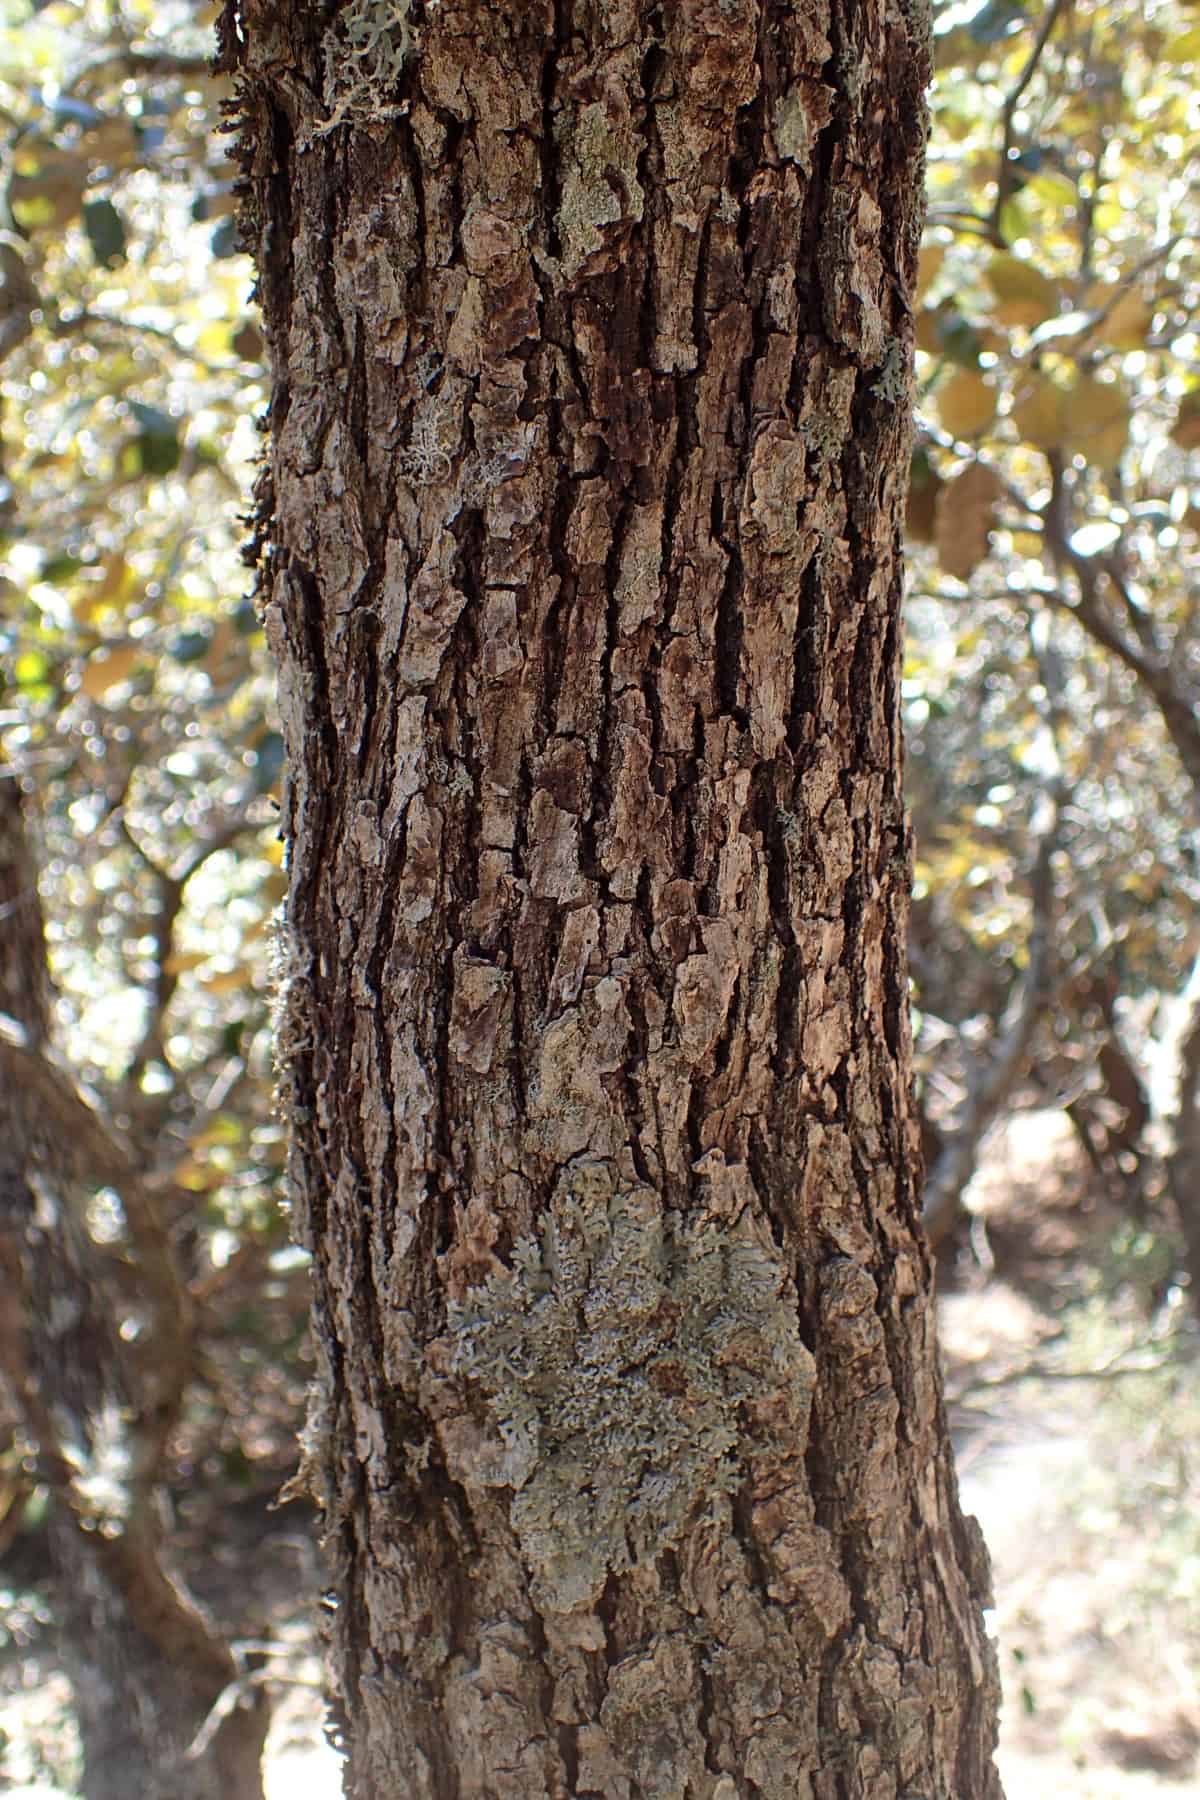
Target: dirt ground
(1085, 1476)
(1084, 1473)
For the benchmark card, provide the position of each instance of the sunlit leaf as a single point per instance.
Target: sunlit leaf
(964, 519)
(966, 403)
(1053, 188)
(106, 668)
(228, 981)
(1024, 296)
(1186, 429)
(1098, 420)
(924, 485)
(47, 187)
(1183, 49)
(1125, 318)
(31, 669)
(1039, 412)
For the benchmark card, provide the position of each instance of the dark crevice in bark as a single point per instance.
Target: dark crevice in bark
(675, 791)
(411, 155)
(362, 628)
(465, 822)
(649, 173)
(682, 392)
(634, 1109)
(723, 1048)
(809, 651)
(781, 845)
(555, 630)
(695, 1139)
(553, 59)
(321, 747)
(727, 651)
(275, 239)
(785, 1052)
(602, 764)
(608, 1611)
(524, 798)
(762, 1162)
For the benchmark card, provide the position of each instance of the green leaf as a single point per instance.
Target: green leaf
(105, 231)
(191, 646)
(31, 670)
(156, 450)
(1015, 220)
(60, 569)
(269, 761)
(225, 239)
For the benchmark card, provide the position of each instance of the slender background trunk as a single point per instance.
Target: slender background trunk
(590, 338)
(146, 1667)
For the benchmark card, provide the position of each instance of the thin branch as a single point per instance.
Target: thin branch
(1115, 1369)
(85, 319)
(997, 1073)
(1006, 173)
(1177, 707)
(87, 1148)
(128, 62)
(171, 886)
(957, 218)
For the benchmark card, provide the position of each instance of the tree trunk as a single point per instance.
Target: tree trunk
(590, 337)
(146, 1668)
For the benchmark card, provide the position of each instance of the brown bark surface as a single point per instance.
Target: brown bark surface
(590, 335)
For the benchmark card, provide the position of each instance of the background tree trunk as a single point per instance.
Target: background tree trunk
(591, 341)
(146, 1667)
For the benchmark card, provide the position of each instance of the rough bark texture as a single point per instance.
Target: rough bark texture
(591, 342)
(146, 1668)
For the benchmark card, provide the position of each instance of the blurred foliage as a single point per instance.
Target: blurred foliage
(1054, 525)
(135, 694)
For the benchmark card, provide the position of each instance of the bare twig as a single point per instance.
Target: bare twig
(999, 1068)
(1006, 173)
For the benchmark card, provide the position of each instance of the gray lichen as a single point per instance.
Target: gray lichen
(614, 1355)
(365, 49)
(892, 384)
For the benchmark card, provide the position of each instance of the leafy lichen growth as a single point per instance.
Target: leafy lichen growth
(365, 49)
(892, 384)
(614, 1355)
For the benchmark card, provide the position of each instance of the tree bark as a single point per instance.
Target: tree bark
(146, 1667)
(590, 340)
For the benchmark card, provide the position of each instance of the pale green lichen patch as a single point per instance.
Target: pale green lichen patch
(600, 185)
(893, 379)
(615, 1356)
(801, 113)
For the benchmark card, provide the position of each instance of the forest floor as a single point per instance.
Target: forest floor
(1077, 1426)
(1074, 1402)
